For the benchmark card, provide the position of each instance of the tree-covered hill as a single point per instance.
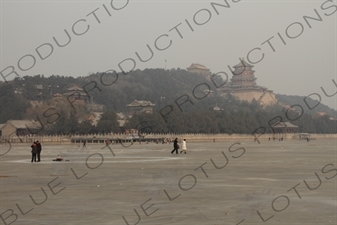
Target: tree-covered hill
(309, 105)
(12, 106)
(184, 102)
(159, 86)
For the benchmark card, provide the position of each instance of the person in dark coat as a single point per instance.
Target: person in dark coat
(34, 151)
(175, 146)
(39, 149)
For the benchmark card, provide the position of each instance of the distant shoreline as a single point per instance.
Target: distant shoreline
(100, 139)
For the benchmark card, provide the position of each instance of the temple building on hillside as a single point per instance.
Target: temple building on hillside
(93, 107)
(76, 94)
(57, 97)
(94, 117)
(199, 69)
(138, 106)
(39, 88)
(243, 86)
(284, 128)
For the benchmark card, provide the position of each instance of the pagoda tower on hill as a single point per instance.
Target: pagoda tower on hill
(243, 76)
(243, 86)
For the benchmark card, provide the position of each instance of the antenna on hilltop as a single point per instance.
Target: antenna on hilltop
(165, 64)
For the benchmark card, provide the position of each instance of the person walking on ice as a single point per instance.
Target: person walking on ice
(184, 148)
(175, 146)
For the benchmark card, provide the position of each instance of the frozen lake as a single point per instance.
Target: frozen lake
(289, 182)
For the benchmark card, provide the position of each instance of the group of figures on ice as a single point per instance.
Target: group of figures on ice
(176, 146)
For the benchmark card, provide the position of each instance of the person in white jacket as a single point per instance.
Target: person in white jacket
(184, 148)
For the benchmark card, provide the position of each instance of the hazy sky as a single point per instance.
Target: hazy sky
(109, 32)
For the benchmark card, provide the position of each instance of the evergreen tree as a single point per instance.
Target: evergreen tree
(108, 123)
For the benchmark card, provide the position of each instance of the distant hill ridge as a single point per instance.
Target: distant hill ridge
(315, 106)
(161, 87)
